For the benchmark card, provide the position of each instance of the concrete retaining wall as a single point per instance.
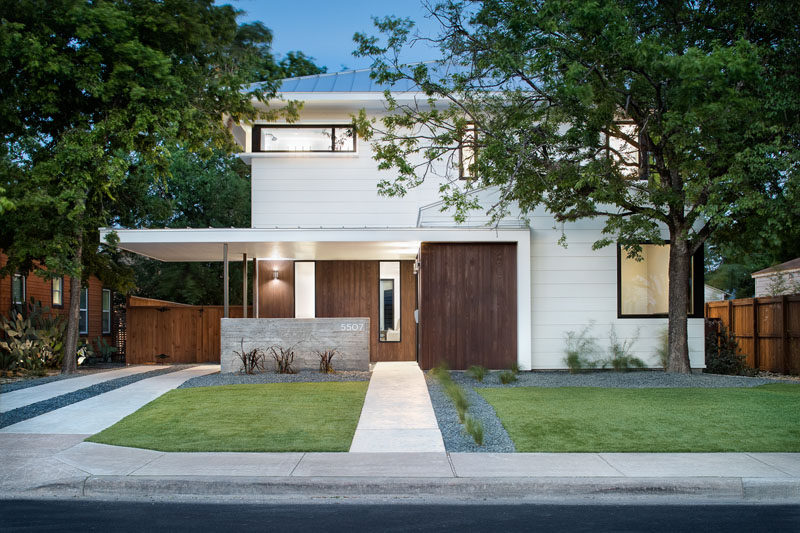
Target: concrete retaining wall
(349, 335)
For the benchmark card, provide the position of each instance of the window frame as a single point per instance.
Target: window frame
(696, 296)
(103, 311)
(19, 305)
(256, 138)
(60, 292)
(81, 310)
(395, 297)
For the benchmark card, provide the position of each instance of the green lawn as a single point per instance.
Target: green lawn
(573, 419)
(281, 417)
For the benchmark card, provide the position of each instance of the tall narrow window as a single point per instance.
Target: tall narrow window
(57, 292)
(304, 289)
(389, 302)
(83, 317)
(106, 311)
(466, 152)
(18, 292)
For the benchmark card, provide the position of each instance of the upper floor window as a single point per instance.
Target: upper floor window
(106, 311)
(643, 285)
(57, 292)
(625, 149)
(466, 152)
(300, 138)
(83, 316)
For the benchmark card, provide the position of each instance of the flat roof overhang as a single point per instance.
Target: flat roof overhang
(201, 244)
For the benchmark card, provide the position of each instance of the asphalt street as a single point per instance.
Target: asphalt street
(43, 515)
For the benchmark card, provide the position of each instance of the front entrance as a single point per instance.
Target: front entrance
(468, 305)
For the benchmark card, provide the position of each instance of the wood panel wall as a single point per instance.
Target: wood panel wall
(468, 305)
(351, 288)
(766, 329)
(276, 296)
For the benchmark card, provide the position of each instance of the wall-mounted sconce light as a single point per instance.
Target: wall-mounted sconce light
(275, 273)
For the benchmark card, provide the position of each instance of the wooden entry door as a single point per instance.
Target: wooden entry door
(468, 305)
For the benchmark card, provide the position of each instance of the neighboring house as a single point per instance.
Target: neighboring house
(713, 294)
(96, 309)
(778, 279)
(327, 245)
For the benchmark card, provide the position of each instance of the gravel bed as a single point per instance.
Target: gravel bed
(303, 376)
(25, 383)
(619, 380)
(45, 406)
(456, 439)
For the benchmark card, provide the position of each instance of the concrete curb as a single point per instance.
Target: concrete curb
(242, 489)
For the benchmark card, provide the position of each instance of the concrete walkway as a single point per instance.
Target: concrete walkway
(20, 398)
(397, 414)
(60, 466)
(99, 412)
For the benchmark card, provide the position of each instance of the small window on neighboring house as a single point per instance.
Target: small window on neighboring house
(466, 153)
(18, 292)
(303, 138)
(57, 291)
(643, 288)
(83, 320)
(106, 311)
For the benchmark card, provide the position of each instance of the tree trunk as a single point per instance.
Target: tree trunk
(69, 364)
(679, 264)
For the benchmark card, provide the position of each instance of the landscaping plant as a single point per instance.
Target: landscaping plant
(663, 349)
(32, 339)
(251, 361)
(284, 357)
(477, 372)
(723, 355)
(326, 360)
(580, 350)
(507, 376)
(619, 353)
(474, 428)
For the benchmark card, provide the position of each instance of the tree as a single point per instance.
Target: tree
(562, 95)
(90, 88)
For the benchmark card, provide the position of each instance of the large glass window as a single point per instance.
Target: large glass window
(57, 290)
(389, 302)
(106, 311)
(305, 289)
(282, 138)
(83, 317)
(466, 153)
(644, 284)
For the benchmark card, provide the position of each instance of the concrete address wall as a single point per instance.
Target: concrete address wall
(349, 335)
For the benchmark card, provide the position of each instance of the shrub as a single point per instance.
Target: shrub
(32, 339)
(619, 353)
(580, 350)
(474, 428)
(477, 372)
(507, 376)
(326, 360)
(723, 355)
(251, 361)
(104, 349)
(284, 357)
(515, 368)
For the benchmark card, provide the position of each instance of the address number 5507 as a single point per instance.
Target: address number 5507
(352, 327)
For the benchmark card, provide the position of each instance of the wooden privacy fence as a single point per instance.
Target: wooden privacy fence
(185, 333)
(766, 329)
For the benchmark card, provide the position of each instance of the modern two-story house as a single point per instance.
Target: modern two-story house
(326, 244)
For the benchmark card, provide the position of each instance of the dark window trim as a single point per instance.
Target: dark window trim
(103, 329)
(14, 303)
(53, 304)
(256, 138)
(697, 273)
(80, 310)
(294, 296)
(397, 294)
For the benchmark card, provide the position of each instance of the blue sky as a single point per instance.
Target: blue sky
(324, 29)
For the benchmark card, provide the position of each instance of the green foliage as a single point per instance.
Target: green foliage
(452, 390)
(477, 372)
(723, 355)
(581, 349)
(474, 428)
(33, 339)
(105, 350)
(707, 91)
(506, 377)
(619, 353)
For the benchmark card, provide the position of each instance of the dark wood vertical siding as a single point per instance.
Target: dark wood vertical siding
(350, 289)
(468, 305)
(276, 296)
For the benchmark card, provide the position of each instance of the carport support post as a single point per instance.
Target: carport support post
(244, 285)
(225, 297)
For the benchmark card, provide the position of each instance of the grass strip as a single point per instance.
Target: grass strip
(279, 417)
(590, 419)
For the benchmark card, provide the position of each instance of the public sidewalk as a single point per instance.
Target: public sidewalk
(22, 397)
(58, 466)
(397, 415)
(99, 412)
